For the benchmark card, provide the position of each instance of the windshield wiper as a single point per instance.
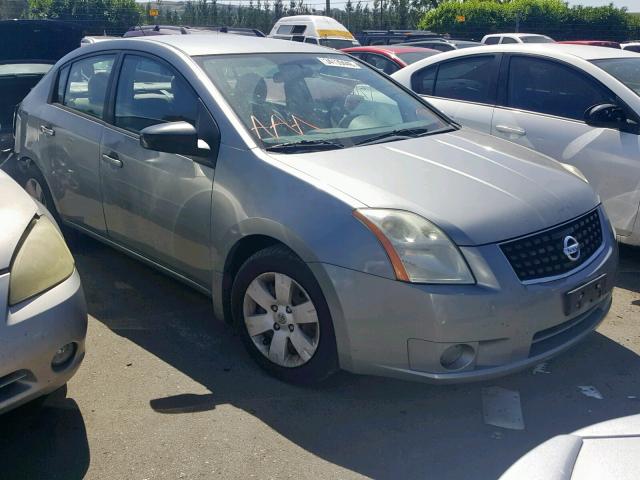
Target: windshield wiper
(305, 146)
(399, 134)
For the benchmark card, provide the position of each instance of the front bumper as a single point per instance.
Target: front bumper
(30, 334)
(390, 328)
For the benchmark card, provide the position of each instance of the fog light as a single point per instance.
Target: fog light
(457, 356)
(63, 355)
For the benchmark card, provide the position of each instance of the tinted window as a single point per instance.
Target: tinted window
(149, 92)
(492, 40)
(469, 79)
(86, 88)
(627, 70)
(311, 40)
(412, 57)
(536, 39)
(443, 47)
(422, 81)
(509, 40)
(63, 77)
(633, 48)
(381, 63)
(549, 87)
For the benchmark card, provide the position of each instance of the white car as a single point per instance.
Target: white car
(577, 104)
(502, 38)
(631, 46)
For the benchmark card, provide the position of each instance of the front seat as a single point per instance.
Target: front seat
(96, 92)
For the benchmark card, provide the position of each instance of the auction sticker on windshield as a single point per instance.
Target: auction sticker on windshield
(337, 62)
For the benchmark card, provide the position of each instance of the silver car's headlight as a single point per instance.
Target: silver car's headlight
(42, 261)
(418, 250)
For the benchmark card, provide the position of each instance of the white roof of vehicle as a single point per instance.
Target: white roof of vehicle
(307, 18)
(518, 35)
(586, 52)
(216, 43)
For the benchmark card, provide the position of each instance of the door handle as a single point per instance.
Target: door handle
(49, 132)
(112, 159)
(511, 130)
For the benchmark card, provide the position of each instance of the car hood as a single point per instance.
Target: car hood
(478, 188)
(37, 41)
(16, 211)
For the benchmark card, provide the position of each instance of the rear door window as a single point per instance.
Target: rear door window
(469, 78)
(549, 87)
(492, 40)
(86, 88)
(508, 40)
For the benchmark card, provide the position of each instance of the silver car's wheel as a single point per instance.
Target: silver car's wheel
(33, 188)
(281, 319)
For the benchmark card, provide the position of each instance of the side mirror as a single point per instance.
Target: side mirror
(606, 115)
(174, 137)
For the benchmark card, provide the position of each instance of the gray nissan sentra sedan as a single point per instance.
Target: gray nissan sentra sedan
(335, 217)
(43, 316)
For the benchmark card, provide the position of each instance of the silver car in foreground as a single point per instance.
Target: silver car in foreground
(334, 216)
(43, 316)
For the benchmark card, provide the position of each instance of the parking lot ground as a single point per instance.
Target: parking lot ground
(166, 392)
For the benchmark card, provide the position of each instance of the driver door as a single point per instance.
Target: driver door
(543, 107)
(157, 204)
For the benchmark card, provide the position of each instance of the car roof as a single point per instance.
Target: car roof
(217, 43)
(390, 49)
(586, 52)
(513, 34)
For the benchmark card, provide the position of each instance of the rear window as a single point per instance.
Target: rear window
(536, 39)
(492, 40)
(412, 57)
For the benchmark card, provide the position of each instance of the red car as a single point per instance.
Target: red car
(595, 43)
(390, 58)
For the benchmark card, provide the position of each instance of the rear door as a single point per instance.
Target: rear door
(70, 132)
(542, 106)
(157, 204)
(464, 88)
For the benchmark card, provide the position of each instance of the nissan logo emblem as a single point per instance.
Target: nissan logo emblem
(571, 248)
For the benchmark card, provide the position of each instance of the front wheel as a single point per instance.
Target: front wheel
(284, 318)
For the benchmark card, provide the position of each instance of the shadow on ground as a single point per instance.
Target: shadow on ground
(377, 427)
(44, 441)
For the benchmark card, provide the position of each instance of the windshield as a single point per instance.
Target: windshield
(337, 43)
(411, 57)
(24, 69)
(536, 39)
(627, 70)
(285, 98)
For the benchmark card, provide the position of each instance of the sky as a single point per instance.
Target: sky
(632, 5)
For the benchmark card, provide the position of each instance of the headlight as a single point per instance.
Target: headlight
(42, 261)
(418, 250)
(575, 170)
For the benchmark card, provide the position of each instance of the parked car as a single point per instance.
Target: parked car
(390, 59)
(28, 49)
(606, 450)
(392, 37)
(577, 104)
(593, 43)
(503, 38)
(95, 39)
(44, 316)
(348, 224)
(631, 46)
(314, 29)
(442, 44)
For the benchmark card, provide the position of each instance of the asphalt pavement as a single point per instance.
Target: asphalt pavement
(167, 392)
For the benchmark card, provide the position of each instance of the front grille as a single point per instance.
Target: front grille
(541, 255)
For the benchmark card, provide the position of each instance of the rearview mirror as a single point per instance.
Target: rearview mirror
(606, 115)
(174, 137)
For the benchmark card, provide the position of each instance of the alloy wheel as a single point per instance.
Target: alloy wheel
(281, 319)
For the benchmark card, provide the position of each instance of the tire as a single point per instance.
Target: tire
(308, 353)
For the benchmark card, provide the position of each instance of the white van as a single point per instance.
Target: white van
(314, 29)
